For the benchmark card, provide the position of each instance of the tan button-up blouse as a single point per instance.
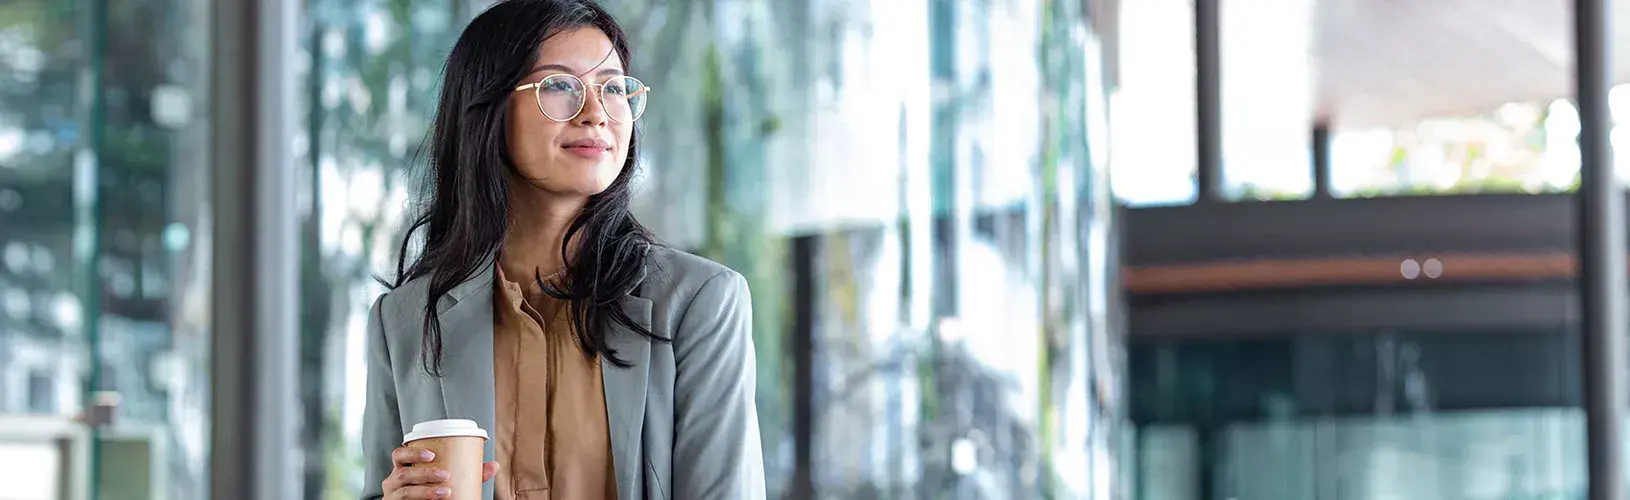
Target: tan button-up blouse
(551, 434)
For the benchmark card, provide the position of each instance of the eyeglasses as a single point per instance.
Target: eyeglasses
(561, 97)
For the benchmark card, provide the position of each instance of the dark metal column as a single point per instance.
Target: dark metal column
(1321, 159)
(254, 445)
(1208, 440)
(1601, 254)
(88, 225)
(801, 350)
(1208, 100)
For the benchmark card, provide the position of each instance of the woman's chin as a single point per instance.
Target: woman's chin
(583, 188)
(588, 168)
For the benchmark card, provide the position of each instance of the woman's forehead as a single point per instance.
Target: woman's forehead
(584, 50)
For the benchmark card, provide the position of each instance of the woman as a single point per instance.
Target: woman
(603, 364)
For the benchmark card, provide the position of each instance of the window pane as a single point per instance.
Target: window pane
(104, 282)
(43, 350)
(152, 267)
(1267, 73)
(1152, 110)
(374, 71)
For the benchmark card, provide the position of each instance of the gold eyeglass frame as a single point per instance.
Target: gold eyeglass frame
(599, 94)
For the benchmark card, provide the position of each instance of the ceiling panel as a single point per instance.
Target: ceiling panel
(1394, 62)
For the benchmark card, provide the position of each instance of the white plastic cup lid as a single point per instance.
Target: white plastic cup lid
(455, 427)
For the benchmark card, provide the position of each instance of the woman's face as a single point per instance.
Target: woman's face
(578, 157)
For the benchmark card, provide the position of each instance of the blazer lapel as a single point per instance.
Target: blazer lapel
(467, 376)
(625, 395)
(466, 325)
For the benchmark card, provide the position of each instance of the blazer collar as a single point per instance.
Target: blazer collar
(481, 281)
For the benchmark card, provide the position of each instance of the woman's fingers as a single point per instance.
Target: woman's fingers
(405, 456)
(416, 483)
(422, 493)
(421, 475)
(405, 477)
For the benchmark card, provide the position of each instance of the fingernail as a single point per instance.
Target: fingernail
(441, 492)
(427, 455)
(442, 475)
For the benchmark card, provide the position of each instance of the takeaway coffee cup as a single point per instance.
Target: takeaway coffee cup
(458, 446)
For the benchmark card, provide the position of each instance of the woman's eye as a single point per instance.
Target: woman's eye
(557, 87)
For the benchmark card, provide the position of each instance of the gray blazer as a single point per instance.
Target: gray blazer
(682, 420)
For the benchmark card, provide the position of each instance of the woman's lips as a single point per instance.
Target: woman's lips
(587, 151)
(588, 147)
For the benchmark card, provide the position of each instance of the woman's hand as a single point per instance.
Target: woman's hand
(422, 483)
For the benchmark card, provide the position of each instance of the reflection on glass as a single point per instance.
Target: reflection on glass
(102, 284)
(42, 346)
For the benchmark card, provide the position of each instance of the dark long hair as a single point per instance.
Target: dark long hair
(465, 210)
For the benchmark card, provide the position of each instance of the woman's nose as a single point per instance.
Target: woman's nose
(593, 112)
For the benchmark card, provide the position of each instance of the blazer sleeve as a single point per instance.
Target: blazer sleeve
(381, 425)
(716, 435)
